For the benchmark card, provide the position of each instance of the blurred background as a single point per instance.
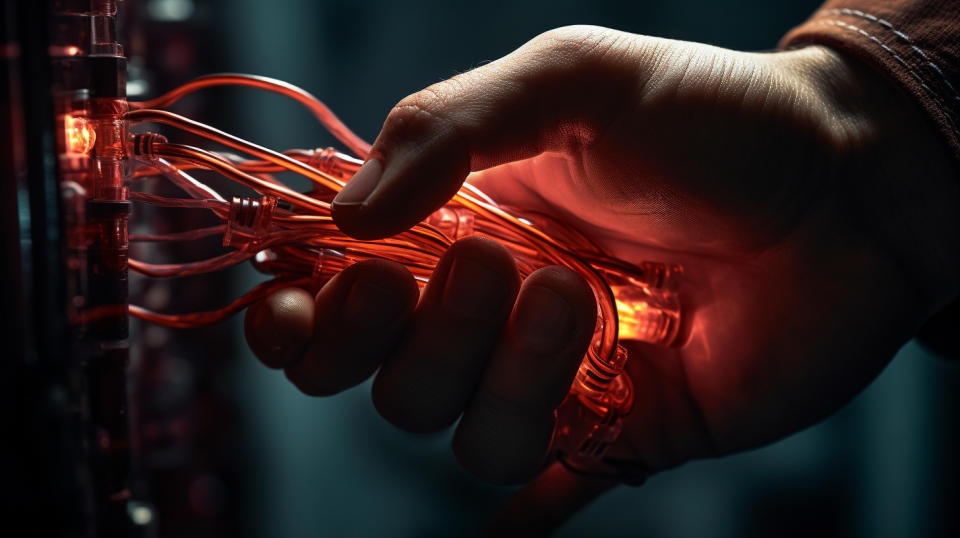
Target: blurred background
(267, 461)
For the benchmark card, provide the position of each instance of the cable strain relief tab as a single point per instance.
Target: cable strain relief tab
(144, 144)
(248, 219)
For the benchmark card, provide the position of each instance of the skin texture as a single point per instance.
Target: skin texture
(813, 209)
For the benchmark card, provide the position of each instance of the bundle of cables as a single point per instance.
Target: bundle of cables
(291, 236)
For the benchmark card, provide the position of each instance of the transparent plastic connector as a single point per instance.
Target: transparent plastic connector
(656, 275)
(248, 219)
(106, 118)
(454, 222)
(583, 435)
(590, 418)
(647, 314)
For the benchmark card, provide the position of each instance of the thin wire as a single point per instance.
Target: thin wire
(337, 164)
(188, 235)
(201, 319)
(223, 166)
(185, 181)
(217, 263)
(326, 116)
(237, 143)
(163, 201)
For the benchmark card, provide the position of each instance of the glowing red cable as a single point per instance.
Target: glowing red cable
(258, 184)
(188, 235)
(201, 319)
(237, 143)
(326, 116)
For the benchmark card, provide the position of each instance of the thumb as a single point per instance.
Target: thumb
(555, 93)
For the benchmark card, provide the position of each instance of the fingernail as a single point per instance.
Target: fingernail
(473, 290)
(544, 320)
(363, 182)
(369, 305)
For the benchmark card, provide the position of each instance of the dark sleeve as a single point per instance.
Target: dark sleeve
(914, 42)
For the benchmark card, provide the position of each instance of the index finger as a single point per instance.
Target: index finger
(553, 94)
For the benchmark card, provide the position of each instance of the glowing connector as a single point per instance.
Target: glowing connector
(648, 315)
(80, 135)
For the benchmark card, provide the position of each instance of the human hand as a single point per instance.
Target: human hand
(812, 207)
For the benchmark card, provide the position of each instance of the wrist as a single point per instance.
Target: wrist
(900, 182)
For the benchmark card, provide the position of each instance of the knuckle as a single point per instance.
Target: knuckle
(428, 100)
(577, 42)
(431, 101)
(423, 114)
